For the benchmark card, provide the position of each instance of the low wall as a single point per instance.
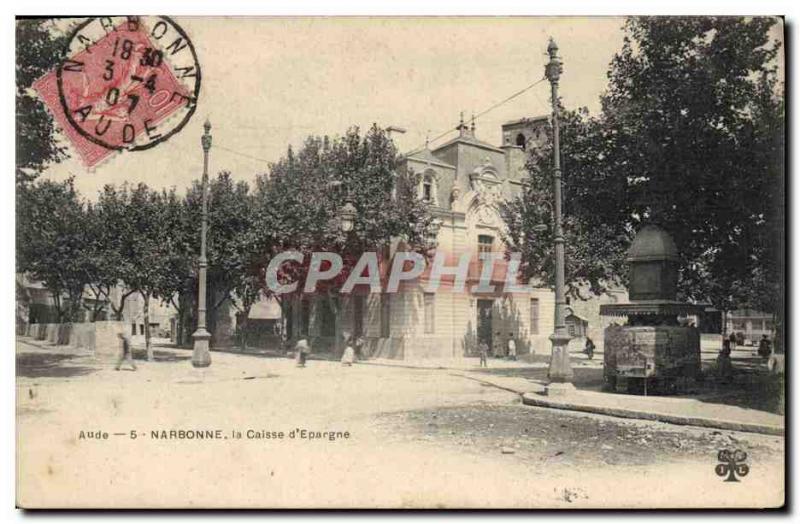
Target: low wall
(99, 337)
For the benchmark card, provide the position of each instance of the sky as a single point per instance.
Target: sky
(270, 82)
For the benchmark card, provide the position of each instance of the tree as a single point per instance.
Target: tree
(692, 122)
(304, 193)
(689, 138)
(39, 48)
(237, 247)
(100, 264)
(113, 231)
(177, 284)
(52, 242)
(140, 237)
(594, 247)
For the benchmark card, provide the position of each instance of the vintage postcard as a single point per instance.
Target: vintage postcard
(400, 262)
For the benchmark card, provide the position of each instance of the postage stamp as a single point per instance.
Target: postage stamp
(124, 83)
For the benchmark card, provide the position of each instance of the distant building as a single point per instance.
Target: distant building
(162, 316)
(751, 324)
(35, 305)
(464, 181)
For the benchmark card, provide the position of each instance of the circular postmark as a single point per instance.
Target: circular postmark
(128, 82)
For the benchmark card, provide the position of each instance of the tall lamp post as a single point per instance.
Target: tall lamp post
(560, 372)
(201, 357)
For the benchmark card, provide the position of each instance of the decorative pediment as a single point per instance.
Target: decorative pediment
(484, 177)
(486, 215)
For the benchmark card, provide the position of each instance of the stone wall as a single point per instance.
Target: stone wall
(98, 337)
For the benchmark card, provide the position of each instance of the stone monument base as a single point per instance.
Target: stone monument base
(651, 359)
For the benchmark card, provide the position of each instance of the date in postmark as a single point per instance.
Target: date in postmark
(124, 84)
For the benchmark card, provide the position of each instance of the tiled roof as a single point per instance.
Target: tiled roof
(425, 155)
(468, 140)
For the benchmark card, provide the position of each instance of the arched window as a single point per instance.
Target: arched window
(427, 189)
(521, 140)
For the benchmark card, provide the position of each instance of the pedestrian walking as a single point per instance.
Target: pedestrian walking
(724, 364)
(125, 353)
(358, 346)
(483, 351)
(349, 354)
(512, 347)
(302, 349)
(589, 348)
(732, 340)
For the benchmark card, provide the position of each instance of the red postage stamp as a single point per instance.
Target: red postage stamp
(125, 83)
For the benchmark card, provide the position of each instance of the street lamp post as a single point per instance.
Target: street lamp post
(560, 372)
(201, 357)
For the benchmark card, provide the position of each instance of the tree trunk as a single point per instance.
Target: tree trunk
(286, 303)
(147, 344)
(75, 305)
(98, 305)
(243, 315)
(118, 311)
(179, 326)
(724, 323)
(186, 326)
(183, 328)
(97, 308)
(189, 320)
(336, 307)
(58, 306)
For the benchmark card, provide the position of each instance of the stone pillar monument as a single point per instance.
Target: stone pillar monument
(652, 351)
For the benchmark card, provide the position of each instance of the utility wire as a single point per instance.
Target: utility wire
(437, 137)
(245, 155)
(490, 108)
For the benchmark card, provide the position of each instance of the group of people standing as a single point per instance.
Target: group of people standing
(352, 350)
(764, 345)
(507, 350)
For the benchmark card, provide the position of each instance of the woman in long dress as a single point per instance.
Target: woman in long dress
(349, 354)
(302, 349)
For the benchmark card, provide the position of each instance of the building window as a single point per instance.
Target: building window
(485, 243)
(427, 190)
(430, 313)
(521, 140)
(386, 311)
(534, 316)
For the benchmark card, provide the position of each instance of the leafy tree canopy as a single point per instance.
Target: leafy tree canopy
(304, 193)
(690, 137)
(39, 47)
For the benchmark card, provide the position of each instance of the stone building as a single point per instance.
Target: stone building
(750, 325)
(35, 305)
(464, 181)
